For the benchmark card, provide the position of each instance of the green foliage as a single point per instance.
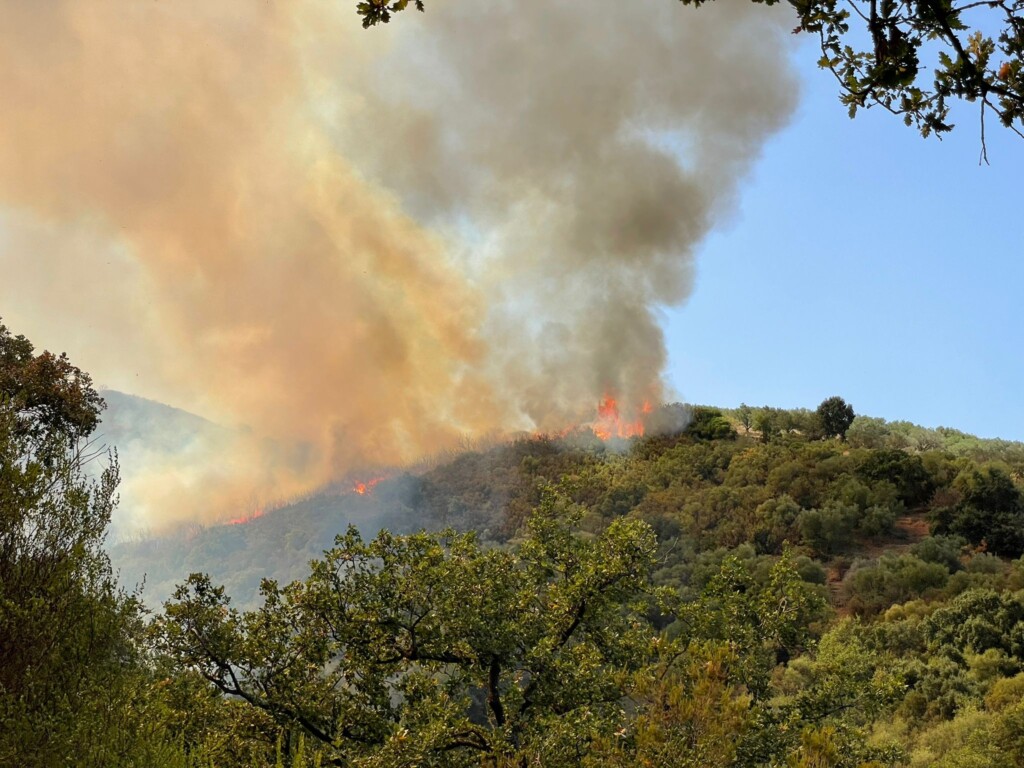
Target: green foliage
(828, 529)
(46, 393)
(690, 713)
(980, 620)
(1005, 692)
(964, 742)
(72, 679)
(826, 699)
(380, 11)
(944, 550)
(892, 579)
(661, 608)
(878, 61)
(710, 424)
(432, 649)
(761, 620)
(990, 510)
(905, 471)
(777, 521)
(835, 416)
(938, 448)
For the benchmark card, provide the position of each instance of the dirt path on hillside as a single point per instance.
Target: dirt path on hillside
(907, 531)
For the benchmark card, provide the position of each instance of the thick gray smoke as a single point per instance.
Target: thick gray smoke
(368, 246)
(589, 147)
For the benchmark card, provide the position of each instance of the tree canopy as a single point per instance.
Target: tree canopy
(909, 57)
(66, 631)
(431, 649)
(47, 394)
(702, 598)
(836, 416)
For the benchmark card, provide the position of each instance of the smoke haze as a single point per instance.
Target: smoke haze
(363, 247)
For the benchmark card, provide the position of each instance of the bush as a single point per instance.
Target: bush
(906, 472)
(828, 529)
(1003, 693)
(944, 550)
(990, 510)
(710, 424)
(892, 579)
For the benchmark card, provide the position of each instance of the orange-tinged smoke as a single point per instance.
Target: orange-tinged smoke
(292, 297)
(363, 248)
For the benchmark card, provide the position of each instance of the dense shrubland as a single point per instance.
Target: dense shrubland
(747, 592)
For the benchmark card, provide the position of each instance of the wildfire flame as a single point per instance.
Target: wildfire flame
(258, 512)
(610, 422)
(362, 488)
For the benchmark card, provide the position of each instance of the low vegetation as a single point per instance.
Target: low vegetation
(764, 588)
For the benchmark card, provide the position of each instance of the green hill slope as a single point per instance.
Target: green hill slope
(856, 510)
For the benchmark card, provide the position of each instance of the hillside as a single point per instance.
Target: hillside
(155, 443)
(855, 510)
(761, 588)
(134, 423)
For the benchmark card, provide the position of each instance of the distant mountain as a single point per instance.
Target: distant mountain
(489, 491)
(159, 448)
(132, 423)
(277, 545)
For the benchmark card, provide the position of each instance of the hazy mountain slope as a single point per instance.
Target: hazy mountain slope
(488, 491)
(161, 450)
(845, 504)
(277, 545)
(133, 423)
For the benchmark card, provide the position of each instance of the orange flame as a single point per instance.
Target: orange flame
(246, 518)
(610, 423)
(362, 488)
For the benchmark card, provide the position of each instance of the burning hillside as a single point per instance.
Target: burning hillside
(610, 422)
(267, 216)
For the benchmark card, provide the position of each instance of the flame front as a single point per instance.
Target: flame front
(610, 422)
(362, 488)
(256, 513)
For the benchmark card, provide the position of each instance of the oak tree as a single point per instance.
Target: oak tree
(432, 649)
(835, 416)
(67, 632)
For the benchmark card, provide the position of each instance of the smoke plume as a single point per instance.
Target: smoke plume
(363, 247)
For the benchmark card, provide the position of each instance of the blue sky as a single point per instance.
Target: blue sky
(865, 261)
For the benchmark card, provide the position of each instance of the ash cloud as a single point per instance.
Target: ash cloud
(368, 247)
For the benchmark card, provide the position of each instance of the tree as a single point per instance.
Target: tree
(709, 424)
(746, 417)
(767, 420)
(990, 510)
(906, 472)
(874, 49)
(67, 633)
(835, 416)
(430, 649)
(47, 394)
(878, 63)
